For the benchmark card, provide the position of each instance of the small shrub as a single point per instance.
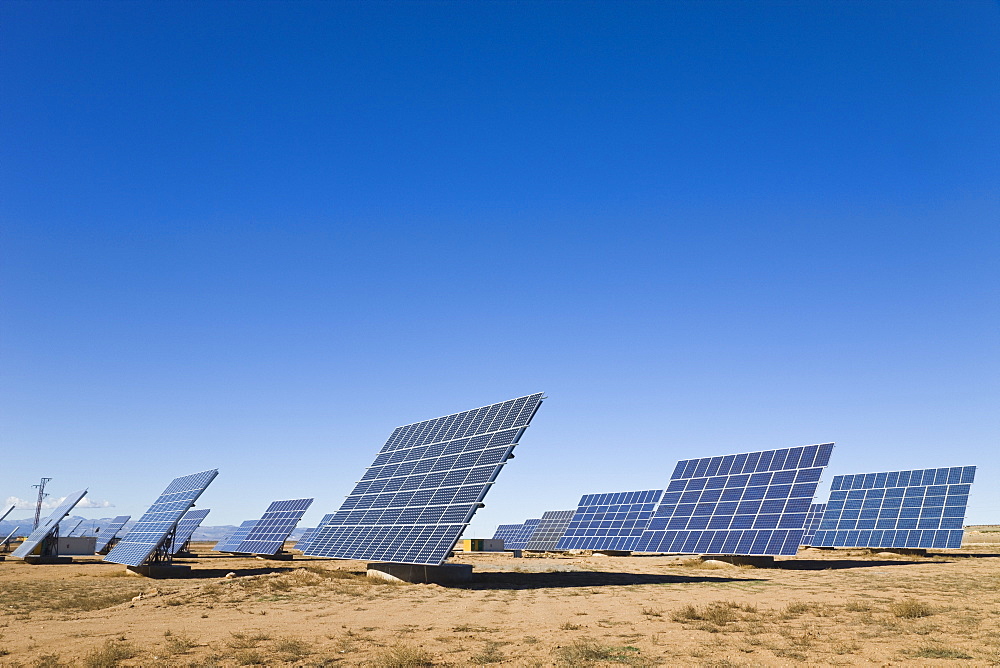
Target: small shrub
(570, 626)
(249, 657)
(246, 640)
(110, 654)
(177, 644)
(651, 612)
(910, 609)
(491, 654)
(588, 651)
(292, 648)
(403, 656)
(49, 661)
(940, 653)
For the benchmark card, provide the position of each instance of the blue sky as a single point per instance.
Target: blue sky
(258, 236)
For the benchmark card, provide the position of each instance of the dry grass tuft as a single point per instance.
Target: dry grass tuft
(588, 652)
(930, 652)
(403, 656)
(246, 640)
(491, 654)
(910, 609)
(111, 654)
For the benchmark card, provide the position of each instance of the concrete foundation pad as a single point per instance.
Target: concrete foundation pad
(742, 560)
(443, 574)
(160, 571)
(35, 559)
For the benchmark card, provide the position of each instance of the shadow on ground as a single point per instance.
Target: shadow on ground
(840, 564)
(558, 579)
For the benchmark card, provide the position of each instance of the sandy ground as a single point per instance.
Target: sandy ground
(844, 607)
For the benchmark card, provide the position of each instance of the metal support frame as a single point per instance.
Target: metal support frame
(41, 497)
(162, 555)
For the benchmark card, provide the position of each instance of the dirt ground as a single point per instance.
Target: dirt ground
(843, 607)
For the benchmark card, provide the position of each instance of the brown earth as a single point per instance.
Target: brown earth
(822, 607)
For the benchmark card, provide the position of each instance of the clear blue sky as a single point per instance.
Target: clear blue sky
(258, 236)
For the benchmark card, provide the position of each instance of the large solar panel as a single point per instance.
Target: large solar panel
(922, 508)
(107, 534)
(47, 526)
(417, 497)
(610, 521)
(549, 530)
(156, 525)
(185, 528)
(748, 504)
(268, 534)
(232, 540)
(308, 534)
(813, 518)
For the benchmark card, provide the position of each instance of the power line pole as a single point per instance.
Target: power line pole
(41, 497)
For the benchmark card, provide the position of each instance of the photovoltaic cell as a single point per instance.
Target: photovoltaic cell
(922, 508)
(520, 537)
(550, 529)
(105, 535)
(506, 532)
(268, 534)
(748, 504)
(610, 521)
(420, 493)
(230, 542)
(813, 518)
(309, 533)
(185, 528)
(47, 526)
(154, 527)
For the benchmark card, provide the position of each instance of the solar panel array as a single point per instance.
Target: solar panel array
(813, 518)
(922, 508)
(185, 528)
(232, 540)
(155, 525)
(549, 530)
(47, 526)
(417, 497)
(748, 504)
(610, 521)
(506, 533)
(308, 534)
(107, 534)
(517, 535)
(268, 534)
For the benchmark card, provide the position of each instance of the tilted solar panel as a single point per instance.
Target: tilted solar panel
(108, 533)
(519, 540)
(70, 527)
(307, 536)
(924, 508)
(7, 512)
(610, 521)
(47, 526)
(549, 530)
(268, 534)
(232, 540)
(748, 504)
(813, 518)
(420, 493)
(6, 540)
(185, 528)
(156, 524)
(506, 532)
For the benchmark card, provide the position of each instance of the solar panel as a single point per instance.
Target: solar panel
(48, 526)
(6, 540)
(185, 528)
(748, 504)
(549, 530)
(6, 513)
(924, 508)
(420, 493)
(307, 536)
(506, 532)
(268, 534)
(70, 528)
(242, 531)
(107, 534)
(610, 521)
(813, 518)
(155, 527)
(520, 540)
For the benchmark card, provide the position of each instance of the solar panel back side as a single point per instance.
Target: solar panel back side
(421, 491)
(156, 524)
(923, 508)
(748, 504)
(612, 521)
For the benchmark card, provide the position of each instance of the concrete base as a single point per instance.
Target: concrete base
(35, 559)
(907, 551)
(742, 560)
(443, 574)
(614, 553)
(515, 553)
(160, 571)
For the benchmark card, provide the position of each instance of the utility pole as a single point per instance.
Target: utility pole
(41, 497)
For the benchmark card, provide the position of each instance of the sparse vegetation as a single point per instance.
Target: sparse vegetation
(929, 652)
(587, 652)
(491, 654)
(240, 640)
(570, 626)
(403, 656)
(910, 609)
(111, 654)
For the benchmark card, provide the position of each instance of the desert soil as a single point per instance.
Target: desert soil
(822, 607)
